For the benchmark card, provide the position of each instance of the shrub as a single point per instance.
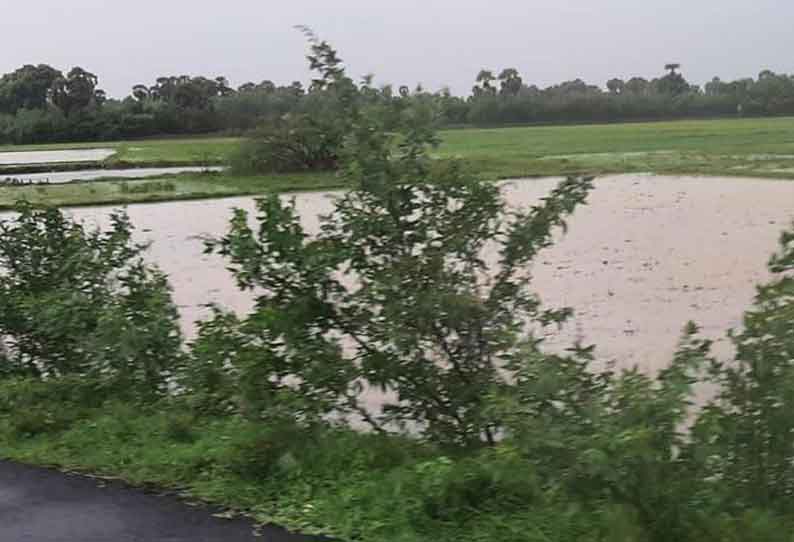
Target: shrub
(310, 138)
(34, 407)
(80, 302)
(179, 427)
(747, 432)
(294, 142)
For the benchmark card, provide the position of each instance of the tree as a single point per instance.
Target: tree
(312, 138)
(392, 293)
(223, 88)
(484, 86)
(296, 89)
(638, 86)
(27, 88)
(673, 83)
(510, 82)
(268, 87)
(75, 92)
(715, 87)
(616, 86)
(141, 92)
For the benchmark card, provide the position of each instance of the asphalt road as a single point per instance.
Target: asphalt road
(39, 505)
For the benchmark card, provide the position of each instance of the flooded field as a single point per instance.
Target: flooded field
(54, 157)
(644, 257)
(63, 177)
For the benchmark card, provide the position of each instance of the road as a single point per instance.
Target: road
(38, 505)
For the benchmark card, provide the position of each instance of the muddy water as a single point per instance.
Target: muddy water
(54, 157)
(644, 257)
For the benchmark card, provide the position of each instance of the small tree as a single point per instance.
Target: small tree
(312, 137)
(394, 292)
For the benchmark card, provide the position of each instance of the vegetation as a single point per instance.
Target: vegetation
(584, 455)
(746, 147)
(484, 435)
(311, 139)
(41, 104)
(67, 294)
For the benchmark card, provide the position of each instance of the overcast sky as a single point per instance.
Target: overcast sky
(435, 42)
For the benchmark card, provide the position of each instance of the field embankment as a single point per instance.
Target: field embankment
(743, 147)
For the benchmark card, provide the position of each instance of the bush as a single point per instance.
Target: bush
(81, 302)
(747, 432)
(312, 137)
(34, 407)
(292, 143)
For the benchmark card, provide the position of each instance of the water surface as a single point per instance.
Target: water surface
(24, 158)
(644, 257)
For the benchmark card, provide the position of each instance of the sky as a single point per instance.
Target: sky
(433, 42)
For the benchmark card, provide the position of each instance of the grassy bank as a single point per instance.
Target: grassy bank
(745, 147)
(332, 482)
(177, 187)
(352, 486)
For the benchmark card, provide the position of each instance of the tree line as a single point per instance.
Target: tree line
(43, 104)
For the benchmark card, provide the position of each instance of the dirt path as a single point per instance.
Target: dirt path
(38, 505)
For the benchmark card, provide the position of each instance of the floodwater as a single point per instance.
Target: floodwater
(17, 158)
(645, 256)
(63, 177)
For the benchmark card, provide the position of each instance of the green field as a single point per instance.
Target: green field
(742, 147)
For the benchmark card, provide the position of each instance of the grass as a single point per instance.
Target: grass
(177, 187)
(753, 147)
(740, 147)
(327, 481)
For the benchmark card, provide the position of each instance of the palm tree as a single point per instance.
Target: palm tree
(672, 67)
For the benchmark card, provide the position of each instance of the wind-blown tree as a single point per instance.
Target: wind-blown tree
(393, 293)
(310, 138)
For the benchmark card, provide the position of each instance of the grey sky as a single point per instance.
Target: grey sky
(435, 42)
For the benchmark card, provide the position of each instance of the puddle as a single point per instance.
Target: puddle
(24, 158)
